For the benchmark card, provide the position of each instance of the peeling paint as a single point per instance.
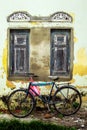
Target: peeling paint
(10, 84)
(75, 39)
(34, 23)
(80, 81)
(81, 66)
(73, 16)
(80, 69)
(84, 99)
(4, 58)
(72, 81)
(82, 56)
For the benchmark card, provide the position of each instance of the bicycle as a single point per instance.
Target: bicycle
(66, 100)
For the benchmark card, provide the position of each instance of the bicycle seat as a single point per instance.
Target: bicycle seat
(54, 77)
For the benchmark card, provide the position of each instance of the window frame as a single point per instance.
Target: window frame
(71, 44)
(15, 76)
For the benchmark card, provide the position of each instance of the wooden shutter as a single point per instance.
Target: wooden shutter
(19, 52)
(60, 52)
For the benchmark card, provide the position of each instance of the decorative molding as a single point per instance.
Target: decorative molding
(19, 16)
(22, 16)
(61, 17)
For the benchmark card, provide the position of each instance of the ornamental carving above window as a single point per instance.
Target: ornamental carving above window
(61, 16)
(22, 16)
(19, 16)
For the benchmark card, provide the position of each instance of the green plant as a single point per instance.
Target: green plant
(33, 125)
(75, 104)
(60, 116)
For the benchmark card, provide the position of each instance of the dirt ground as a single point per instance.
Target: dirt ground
(78, 120)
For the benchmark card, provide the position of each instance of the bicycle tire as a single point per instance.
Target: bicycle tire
(20, 103)
(67, 100)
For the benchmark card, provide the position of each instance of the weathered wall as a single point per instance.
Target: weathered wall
(40, 52)
(44, 8)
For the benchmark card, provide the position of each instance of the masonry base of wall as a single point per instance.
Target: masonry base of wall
(39, 105)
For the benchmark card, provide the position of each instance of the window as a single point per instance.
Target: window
(61, 45)
(19, 52)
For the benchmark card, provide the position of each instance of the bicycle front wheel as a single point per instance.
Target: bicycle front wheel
(20, 104)
(67, 100)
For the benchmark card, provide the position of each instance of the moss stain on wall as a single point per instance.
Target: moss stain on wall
(40, 52)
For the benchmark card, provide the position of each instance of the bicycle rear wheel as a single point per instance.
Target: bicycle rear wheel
(67, 100)
(20, 104)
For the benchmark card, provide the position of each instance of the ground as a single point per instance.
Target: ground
(78, 120)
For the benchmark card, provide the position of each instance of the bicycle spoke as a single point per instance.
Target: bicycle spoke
(67, 100)
(19, 104)
(67, 92)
